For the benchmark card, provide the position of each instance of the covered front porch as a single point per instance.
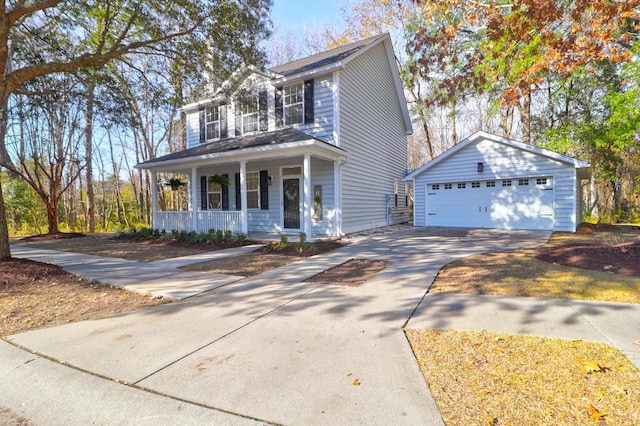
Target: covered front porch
(286, 187)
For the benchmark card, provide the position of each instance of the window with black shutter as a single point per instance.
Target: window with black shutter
(203, 192)
(308, 102)
(264, 190)
(203, 135)
(225, 195)
(262, 111)
(279, 107)
(238, 200)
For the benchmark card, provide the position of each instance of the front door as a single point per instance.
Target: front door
(291, 202)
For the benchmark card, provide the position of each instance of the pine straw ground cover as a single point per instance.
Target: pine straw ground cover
(481, 378)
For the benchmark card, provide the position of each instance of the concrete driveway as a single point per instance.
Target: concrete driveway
(267, 349)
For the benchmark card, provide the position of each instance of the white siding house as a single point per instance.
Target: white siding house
(487, 181)
(317, 145)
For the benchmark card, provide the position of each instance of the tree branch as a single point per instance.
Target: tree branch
(21, 9)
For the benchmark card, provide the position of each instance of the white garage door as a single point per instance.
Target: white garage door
(509, 203)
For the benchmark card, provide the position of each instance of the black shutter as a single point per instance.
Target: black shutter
(262, 108)
(203, 135)
(203, 192)
(225, 195)
(223, 121)
(279, 110)
(308, 102)
(238, 118)
(238, 200)
(264, 190)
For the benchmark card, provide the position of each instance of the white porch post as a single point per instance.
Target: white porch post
(306, 196)
(154, 198)
(337, 197)
(194, 199)
(243, 197)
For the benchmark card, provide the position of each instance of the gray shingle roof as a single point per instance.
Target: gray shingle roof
(325, 58)
(237, 144)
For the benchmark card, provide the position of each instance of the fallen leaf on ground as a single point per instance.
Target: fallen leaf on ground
(356, 382)
(594, 414)
(589, 366)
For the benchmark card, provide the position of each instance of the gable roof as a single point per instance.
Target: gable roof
(321, 63)
(328, 58)
(269, 141)
(581, 166)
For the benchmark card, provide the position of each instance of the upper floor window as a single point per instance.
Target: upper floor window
(249, 114)
(212, 122)
(293, 104)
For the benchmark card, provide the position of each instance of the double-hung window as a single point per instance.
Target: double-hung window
(293, 103)
(214, 196)
(212, 122)
(253, 190)
(249, 112)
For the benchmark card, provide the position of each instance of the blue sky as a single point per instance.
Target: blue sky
(296, 14)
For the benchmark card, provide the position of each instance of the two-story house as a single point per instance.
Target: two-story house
(317, 145)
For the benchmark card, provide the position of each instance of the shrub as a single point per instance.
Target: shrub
(228, 235)
(219, 235)
(240, 238)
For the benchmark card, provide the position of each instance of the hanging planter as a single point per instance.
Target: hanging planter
(219, 179)
(175, 183)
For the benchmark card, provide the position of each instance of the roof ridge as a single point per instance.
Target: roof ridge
(319, 59)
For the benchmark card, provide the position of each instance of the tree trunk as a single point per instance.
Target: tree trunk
(52, 217)
(525, 118)
(91, 216)
(5, 250)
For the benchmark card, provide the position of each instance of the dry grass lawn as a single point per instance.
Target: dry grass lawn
(480, 378)
(520, 273)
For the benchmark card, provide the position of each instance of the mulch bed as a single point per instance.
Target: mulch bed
(35, 295)
(306, 250)
(352, 273)
(623, 259)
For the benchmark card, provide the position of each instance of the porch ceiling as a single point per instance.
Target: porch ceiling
(271, 145)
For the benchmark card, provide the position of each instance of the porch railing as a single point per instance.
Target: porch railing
(181, 221)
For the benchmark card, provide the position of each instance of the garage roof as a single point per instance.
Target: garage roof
(582, 167)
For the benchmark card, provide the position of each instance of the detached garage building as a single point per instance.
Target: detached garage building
(487, 181)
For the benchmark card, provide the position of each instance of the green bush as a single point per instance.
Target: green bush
(240, 238)
(218, 235)
(228, 235)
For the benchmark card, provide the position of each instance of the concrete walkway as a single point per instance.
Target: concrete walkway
(272, 348)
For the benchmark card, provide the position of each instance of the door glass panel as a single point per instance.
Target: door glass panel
(291, 197)
(288, 171)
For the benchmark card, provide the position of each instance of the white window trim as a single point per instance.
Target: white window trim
(257, 190)
(209, 192)
(207, 123)
(287, 106)
(255, 115)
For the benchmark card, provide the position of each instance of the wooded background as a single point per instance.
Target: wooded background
(562, 75)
